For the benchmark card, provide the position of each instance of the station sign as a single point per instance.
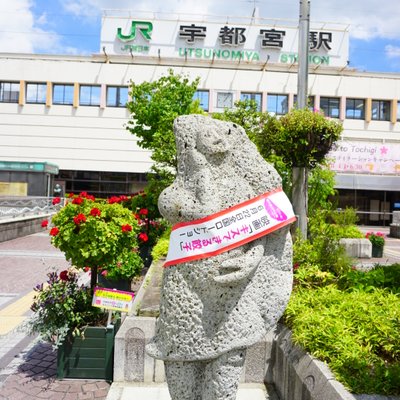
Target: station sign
(253, 42)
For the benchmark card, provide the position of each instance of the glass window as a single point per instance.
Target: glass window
(89, 95)
(277, 104)
(117, 96)
(330, 106)
(36, 93)
(398, 111)
(203, 96)
(310, 101)
(9, 92)
(381, 110)
(63, 94)
(224, 100)
(355, 108)
(257, 97)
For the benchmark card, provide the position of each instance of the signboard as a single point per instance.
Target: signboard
(365, 157)
(110, 299)
(28, 167)
(252, 42)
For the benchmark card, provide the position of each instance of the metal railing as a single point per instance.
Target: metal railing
(13, 207)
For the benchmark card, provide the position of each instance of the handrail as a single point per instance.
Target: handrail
(17, 206)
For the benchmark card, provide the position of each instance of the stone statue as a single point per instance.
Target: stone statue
(212, 309)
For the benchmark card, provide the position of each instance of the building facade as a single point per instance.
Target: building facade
(70, 110)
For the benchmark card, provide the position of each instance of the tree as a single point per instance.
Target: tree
(153, 107)
(257, 125)
(302, 138)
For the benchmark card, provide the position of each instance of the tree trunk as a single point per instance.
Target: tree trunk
(300, 198)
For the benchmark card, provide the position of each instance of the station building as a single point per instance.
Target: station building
(69, 111)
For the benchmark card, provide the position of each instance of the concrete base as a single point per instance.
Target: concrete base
(394, 231)
(21, 226)
(132, 364)
(358, 248)
(120, 391)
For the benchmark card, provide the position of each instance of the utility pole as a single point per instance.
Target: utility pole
(300, 174)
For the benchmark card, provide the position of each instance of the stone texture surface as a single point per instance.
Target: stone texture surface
(206, 312)
(299, 376)
(358, 248)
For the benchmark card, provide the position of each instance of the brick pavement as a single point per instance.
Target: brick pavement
(28, 367)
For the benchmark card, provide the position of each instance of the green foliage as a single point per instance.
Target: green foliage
(246, 115)
(377, 239)
(302, 137)
(346, 217)
(383, 277)
(160, 250)
(154, 106)
(151, 224)
(97, 234)
(256, 123)
(356, 332)
(62, 306)
(321, 188)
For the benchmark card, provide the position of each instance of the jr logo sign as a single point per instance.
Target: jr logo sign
(144, 27)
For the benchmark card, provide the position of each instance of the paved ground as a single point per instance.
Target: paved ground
(27, 367)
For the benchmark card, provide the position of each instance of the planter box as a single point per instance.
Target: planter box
(377, 252)
(91, 357)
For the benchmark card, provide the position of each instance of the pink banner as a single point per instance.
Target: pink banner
(365, 157)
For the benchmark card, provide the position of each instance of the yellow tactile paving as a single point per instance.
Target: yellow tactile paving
(7, 324)
(13, 315)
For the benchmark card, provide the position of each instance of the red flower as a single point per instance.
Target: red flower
(44, 223)
(64, 275)
(143, 237)
(79, 219)
(56, 200)
(70, 195)
(95, 212)
(90, 197)
(83, 194)
(144, 211)
(77, 200)
(296, 266)
(126, 228)
(114, 199)
(123, 198)
(54, 231)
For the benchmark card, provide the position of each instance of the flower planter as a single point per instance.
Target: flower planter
(120, 284)
(91, 357)
(377, 251)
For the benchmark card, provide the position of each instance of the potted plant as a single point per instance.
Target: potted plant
(64, 316)
(378, 242)
(100, 235)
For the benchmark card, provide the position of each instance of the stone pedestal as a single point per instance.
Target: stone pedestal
(358, 248)
(395, 225)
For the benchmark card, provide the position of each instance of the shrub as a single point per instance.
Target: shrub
(62, 306)
(384, 277)
(355, 332)
(161, 248)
